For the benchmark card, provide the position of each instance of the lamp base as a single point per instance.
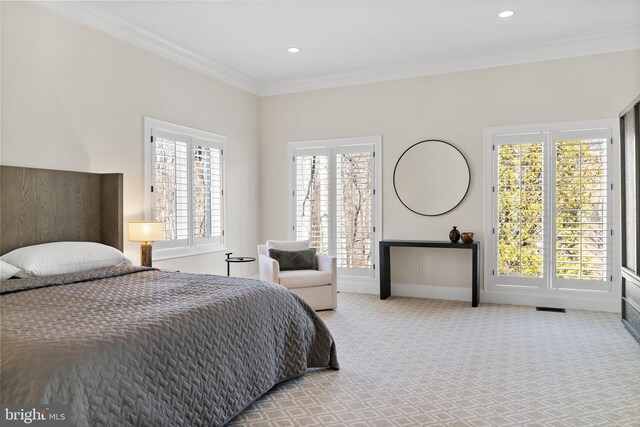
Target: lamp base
(145, 255)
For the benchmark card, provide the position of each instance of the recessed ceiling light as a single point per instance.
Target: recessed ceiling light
(293, 50)
(506, 14)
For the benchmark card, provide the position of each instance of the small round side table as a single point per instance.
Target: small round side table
(231, 259)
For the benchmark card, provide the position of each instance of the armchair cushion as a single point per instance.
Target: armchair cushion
(294, 260)
(288, 245)
(304, 278)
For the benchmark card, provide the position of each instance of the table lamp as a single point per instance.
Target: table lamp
(145, 231)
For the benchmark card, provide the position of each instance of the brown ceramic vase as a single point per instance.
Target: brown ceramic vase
(454, 235)
(467, 237)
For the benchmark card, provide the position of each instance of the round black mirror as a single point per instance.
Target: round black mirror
(431, 177)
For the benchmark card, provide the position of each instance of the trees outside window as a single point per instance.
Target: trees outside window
(185, 187)
(552, 209)
(334, 202)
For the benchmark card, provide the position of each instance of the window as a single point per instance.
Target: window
(185, 188)
(552, 217)
(334, 200)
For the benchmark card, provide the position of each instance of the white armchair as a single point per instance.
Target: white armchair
(319, 288)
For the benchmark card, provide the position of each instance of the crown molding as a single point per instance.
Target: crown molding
(138, 36)
(562, 49)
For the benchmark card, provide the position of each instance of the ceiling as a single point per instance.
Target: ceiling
(349, 42)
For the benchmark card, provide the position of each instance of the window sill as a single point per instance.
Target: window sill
(168, 253)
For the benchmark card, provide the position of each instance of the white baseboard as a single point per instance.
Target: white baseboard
(358, 285)
(367, 286)
(453, 293)
(572, 301)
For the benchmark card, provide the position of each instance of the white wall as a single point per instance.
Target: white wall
(74, 98)
(455, 108)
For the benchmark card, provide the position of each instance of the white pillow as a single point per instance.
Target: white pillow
(64, 257)
(288, 245)
(7, 270)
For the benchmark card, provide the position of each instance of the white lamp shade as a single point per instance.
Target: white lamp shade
(146, 231)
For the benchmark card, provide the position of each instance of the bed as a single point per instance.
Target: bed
(129, 345)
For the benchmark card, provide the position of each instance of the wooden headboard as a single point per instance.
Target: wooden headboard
(42, 206)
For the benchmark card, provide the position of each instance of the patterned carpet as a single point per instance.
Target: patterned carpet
(408, 362)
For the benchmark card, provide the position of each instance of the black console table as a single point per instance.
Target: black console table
(385, 262)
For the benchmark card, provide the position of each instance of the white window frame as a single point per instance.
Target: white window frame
(192, 246)
(332, 147)
(559, 287)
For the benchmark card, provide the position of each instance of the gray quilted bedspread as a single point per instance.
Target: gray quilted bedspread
(133, 346)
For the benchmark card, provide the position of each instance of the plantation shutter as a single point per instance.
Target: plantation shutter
(312, 198)
(169, 170)
(552, 204)
(354, 207)
(520, 195)
(582, 197)
(207, 195)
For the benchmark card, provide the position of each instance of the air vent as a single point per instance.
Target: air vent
(552, 309)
